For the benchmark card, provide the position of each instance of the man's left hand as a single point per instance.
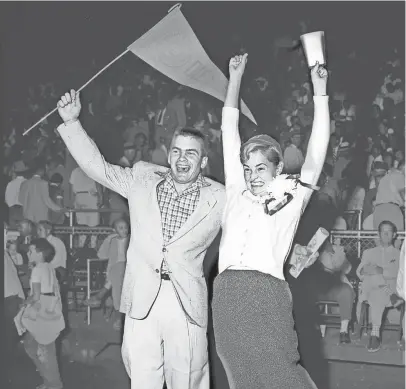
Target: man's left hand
(319, 76)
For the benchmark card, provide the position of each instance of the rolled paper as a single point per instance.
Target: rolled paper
(314, 49)
(299, 260)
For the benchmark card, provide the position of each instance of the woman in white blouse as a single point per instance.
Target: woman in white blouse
(252, 307)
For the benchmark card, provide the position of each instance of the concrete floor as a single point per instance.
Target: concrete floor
(80, 370)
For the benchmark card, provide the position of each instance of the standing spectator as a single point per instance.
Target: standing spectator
(14, 254)
(34, 196)
(293, 157)
(390, 198)
(88, 195)
(13, 192)
(42, 316)
(56, 195)
(159, 155)
(44, 230)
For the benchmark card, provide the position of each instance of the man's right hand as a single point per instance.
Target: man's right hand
(69, 106)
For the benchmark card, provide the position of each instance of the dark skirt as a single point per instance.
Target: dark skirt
(254, 332)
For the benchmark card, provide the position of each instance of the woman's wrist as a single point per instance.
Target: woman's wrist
(70, 121)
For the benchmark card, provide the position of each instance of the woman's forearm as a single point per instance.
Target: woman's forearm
(233, 92)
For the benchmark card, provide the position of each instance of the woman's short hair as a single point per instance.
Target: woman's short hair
(268, 146)
(45, 248)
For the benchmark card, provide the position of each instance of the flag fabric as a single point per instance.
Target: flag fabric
(172, 48)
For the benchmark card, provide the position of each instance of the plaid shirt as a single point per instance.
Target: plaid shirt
(176, 208)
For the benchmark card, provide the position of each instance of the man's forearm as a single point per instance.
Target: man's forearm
(233, 92)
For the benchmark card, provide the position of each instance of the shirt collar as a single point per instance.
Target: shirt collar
(168, 183)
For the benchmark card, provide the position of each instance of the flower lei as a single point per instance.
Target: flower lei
(280, 186)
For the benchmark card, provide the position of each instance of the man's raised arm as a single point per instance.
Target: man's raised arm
(85, 151)
(318, 143)
(233, 170)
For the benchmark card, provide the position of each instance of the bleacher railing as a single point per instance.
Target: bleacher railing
(354, 242)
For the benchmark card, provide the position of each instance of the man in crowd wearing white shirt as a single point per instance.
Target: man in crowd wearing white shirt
(293, 157)
(390, 197)
(12, 194)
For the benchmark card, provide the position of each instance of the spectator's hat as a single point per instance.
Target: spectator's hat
(379, 169)
(19, 167)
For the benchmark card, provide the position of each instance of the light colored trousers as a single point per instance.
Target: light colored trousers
(165, 346)
(45, 360)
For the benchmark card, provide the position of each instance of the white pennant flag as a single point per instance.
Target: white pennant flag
(172, 48)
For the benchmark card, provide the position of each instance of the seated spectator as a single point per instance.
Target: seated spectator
(12, 194)
(390, 198)
(331, 283)
(378, 271)
(293, 157)
(44, 230)
(379, 171)
(34, 196)
(56, 195)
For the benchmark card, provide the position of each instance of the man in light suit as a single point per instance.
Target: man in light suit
(175, 215)
(34, 196)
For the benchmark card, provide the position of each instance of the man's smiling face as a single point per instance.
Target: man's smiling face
(186, 159)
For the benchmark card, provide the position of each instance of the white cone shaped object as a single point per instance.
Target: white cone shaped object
(314, 49)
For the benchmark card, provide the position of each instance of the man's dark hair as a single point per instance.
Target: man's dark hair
(193, 133)
(44, 247)
(387, 223)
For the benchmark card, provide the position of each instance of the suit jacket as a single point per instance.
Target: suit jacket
(184, 253)
(34, 197)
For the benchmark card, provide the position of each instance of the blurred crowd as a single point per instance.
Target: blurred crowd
(132, 117)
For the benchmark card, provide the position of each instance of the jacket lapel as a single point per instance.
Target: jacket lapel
(154, 211)
(206, 202)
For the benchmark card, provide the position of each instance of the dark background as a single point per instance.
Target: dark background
(44, 41)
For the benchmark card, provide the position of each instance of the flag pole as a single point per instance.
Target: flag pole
(82, 87)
